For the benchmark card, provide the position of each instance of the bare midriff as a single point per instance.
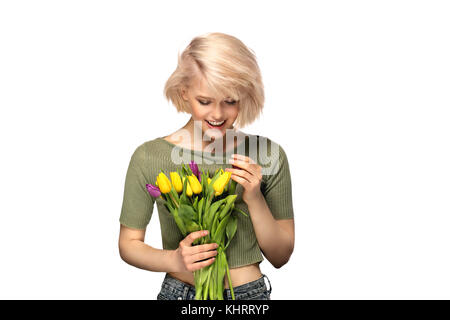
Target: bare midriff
(239, 276)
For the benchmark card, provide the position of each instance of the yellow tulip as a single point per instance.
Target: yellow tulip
(195, 184)
(221, 182)
(188, 188)
(176, 181)
(163, 183)
(209, 180)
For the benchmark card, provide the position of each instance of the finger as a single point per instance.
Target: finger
(240, 163)
(202, 264)
(241, 173)
(204, 247)
(194, 235)
(240, 180)
(252, 169)
(202, 256)
(243, 158)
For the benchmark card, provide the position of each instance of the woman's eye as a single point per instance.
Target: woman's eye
(207, 102)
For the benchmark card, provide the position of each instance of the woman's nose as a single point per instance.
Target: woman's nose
(217, 114)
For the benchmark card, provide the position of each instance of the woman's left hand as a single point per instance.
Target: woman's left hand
(249, 176)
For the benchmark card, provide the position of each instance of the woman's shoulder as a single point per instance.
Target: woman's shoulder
(148, 149)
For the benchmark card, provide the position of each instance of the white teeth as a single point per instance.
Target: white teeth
(216, 123)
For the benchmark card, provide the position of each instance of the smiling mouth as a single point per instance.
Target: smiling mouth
(215, 124)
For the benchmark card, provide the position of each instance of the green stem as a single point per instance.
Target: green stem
(229, 278)
(206, 288)
(173, 200)
(198, 286)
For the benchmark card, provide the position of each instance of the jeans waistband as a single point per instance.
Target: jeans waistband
(183, 290)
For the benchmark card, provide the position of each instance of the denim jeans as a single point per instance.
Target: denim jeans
(174, 289)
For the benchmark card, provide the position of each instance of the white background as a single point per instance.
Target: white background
(357, 93)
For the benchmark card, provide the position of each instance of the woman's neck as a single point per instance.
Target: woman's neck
(191, 137)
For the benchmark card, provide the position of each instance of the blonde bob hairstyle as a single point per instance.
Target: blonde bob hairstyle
(228, 67)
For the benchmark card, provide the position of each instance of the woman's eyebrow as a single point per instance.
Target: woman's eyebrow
(204, 97)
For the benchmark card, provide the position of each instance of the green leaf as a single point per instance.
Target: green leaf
(210, 214)
(232, 187)
(231, 230)
(188, 169)
(200, 210)
(218, 235)
(179, 222)
(183, 197)
(214, 225)
(239, 210)
(187, 213)
(229, 202)
(169, 206)
(195, 203)
(192, 227)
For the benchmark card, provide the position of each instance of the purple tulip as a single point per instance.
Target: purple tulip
(153, 190)
(194, 169)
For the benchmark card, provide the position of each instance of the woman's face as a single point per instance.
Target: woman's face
(206, 108)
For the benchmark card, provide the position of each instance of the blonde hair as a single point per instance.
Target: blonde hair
(229, 69)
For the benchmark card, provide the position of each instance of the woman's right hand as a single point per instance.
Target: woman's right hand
(188, 258)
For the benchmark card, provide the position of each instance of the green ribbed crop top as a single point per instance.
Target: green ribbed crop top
(158, 154)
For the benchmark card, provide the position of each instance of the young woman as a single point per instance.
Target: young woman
(217, 82)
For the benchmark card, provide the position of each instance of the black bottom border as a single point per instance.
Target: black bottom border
(270, 309)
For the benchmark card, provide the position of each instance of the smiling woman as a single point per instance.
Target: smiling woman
(222, 69)
(218, 83)
(212, 113)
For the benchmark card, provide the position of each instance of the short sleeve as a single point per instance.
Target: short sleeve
(137, 205)
(277, 189)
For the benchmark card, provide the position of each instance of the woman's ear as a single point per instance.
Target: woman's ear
(184, 93)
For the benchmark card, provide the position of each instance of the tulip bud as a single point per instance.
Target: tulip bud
(194, 168)
(153, 190)
(221, 182)
(195, 184)
(176, 181)
(163, 183)
(188, 188)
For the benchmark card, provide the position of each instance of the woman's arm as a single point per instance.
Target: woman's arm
(135, 252)
(275, 237)
(185, 258)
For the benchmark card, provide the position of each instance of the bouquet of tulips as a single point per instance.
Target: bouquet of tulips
(198, 202)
